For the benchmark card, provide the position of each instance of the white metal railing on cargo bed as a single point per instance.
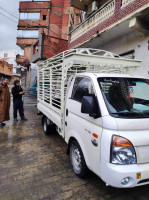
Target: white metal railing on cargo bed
(54, 73)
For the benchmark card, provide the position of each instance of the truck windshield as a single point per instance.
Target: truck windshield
(126, 97)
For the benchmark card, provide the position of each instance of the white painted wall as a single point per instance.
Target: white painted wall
(142, 53)
(133, 41)
(11, 53)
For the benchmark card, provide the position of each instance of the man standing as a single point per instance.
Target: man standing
(4, 102)
(17, 93)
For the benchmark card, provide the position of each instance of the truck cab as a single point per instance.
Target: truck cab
(108, 116)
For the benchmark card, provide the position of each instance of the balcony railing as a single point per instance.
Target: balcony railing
(99, 16)
(126, 2)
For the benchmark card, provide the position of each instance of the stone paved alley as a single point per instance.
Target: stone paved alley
(36, 166)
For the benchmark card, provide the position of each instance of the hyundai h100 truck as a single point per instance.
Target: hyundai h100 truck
(101, 111)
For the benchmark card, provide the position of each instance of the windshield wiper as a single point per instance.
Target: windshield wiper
(131, 114)
(146, 114)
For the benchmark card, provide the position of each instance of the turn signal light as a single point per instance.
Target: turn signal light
(138, 175)
(95, 135)
(121, 142)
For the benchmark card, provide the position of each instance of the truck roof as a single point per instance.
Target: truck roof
(98, 75)
(117, 75)
(89, 58)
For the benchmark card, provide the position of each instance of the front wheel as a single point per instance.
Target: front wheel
(77, 159)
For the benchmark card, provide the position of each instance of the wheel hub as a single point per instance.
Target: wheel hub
(76, 158)
(45, 126)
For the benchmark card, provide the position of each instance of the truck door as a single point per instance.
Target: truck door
(85, 129)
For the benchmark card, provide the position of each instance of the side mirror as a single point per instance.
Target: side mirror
(88, 105)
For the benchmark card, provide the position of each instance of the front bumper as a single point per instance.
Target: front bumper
(113, 174)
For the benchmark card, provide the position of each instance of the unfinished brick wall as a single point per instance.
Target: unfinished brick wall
(59, 18)
(43, 8)
(55, 25)
(27, 53)
(119, 14)
(53, 46)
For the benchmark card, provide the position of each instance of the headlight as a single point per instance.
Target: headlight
(122, 151)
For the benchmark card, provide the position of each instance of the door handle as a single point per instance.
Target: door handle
(66, 112)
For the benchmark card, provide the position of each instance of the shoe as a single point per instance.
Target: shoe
(15, 119)
(23, 119)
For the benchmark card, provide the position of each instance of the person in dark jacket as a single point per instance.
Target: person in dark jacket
(17, 93)
(4, 102)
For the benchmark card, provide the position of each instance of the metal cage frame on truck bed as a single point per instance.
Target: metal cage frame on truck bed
(54, 74)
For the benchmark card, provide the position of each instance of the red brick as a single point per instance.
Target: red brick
(53, 46)
(55, 25)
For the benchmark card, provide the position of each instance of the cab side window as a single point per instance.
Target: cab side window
(82, 87)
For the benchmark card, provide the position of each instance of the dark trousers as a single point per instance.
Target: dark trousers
(18, 105)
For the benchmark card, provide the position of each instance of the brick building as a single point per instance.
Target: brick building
(33, 20)
(10, 57)
(8, 64)
(56, 40)
(120, 26)
(48, 18)
(6, 69)
(43, 30)
(47, 46)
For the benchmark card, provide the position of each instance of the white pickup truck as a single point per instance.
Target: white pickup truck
(100, 111)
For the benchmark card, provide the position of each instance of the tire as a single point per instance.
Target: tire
(77, 159)
(48, 128)
(42, 120)
(39, 112)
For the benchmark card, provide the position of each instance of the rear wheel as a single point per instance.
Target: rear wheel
(77, 159)
(42, 119)
(48, 126)
(39, 112)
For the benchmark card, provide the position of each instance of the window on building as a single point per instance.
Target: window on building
(28, 33)
(30, 16)
(82, 87)
(44, 17)
(5, 55)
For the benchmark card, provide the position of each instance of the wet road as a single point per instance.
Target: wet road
(36, 166)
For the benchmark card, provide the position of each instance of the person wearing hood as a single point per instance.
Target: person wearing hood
(4, 102)
(17, 93)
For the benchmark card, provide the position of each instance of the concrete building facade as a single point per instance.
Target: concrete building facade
(119, 26)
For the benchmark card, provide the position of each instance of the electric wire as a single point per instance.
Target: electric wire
(9, 18)
(9, 12)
